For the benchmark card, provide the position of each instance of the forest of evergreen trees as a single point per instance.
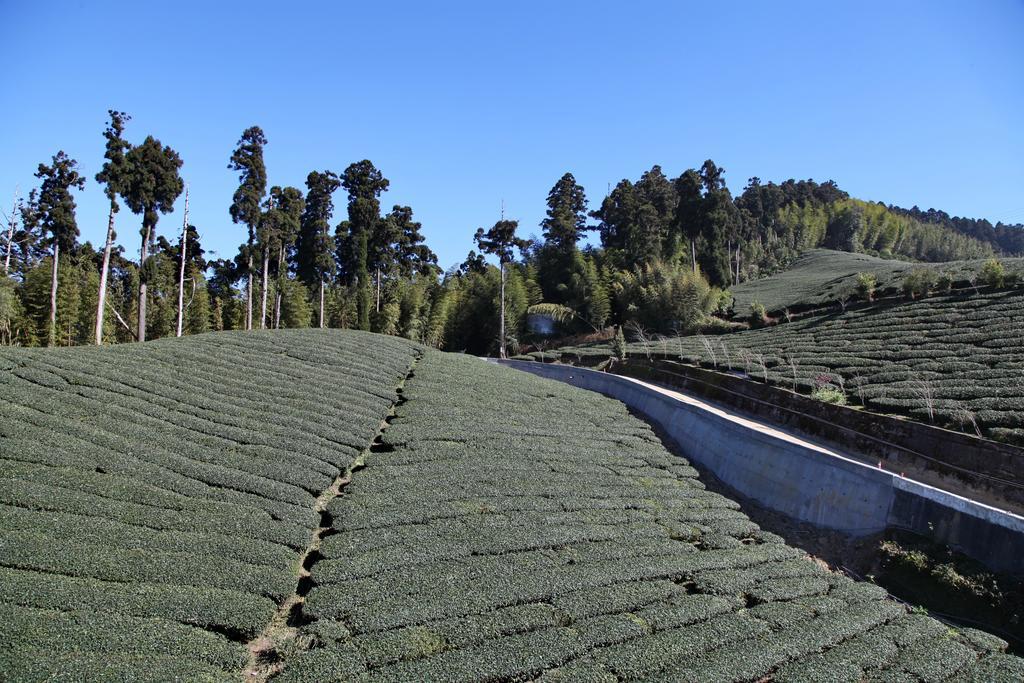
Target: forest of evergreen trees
(669, 249)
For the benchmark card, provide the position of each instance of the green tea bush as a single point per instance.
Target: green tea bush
(866, 283)
(993, 273)
(962, 347)
(758, 315)
(818, 276)
(157, 497)
(944, 282)
(116, 635)
(234, 612)
(493, 540)
(920, 282)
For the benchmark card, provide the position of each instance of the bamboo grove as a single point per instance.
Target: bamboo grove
(669, 249)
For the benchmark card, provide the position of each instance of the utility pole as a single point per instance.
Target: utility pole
(181, 272)
(280, 280)
(501, 273)
(12, 223)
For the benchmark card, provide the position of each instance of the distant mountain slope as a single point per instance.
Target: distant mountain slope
(156, 498)
(1007, 238)
(820, 276)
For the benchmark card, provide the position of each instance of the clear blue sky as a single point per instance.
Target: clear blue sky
(465, 105)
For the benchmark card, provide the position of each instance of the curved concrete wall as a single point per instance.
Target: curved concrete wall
(805, 481)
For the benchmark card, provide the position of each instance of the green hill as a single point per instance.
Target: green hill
(955, 360)
(820, 276)
(157, 500)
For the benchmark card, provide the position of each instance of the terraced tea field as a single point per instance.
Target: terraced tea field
(508, 528)
(157, 501)
(814, 279)
(156, 498)
(820, 276)
(956, 361)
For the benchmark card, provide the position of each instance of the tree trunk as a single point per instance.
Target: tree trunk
(501, 327)
(266, 281)
(693, 254)
(378, 290)
(733, 271)
(143, 255)
(280, 282)
(52, 339)
(181, 271)
(122, 320)
(101, 299)
(10, 237)
(321, 303)
(248, 292)
(7, 258)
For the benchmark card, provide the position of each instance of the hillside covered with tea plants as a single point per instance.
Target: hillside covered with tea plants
(826, 277)
(157, 499)
(953, 360)
(314, 506)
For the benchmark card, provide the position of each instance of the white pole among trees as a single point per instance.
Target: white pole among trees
(11, 224)
(266, 282)
(321, 303)
(52, 339)
(265, 247)
(501, 345)
(181, 271)
(280, 280)
(104, 271)
(248, 292)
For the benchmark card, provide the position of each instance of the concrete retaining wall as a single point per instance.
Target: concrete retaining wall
(806, 481)
(980, 469)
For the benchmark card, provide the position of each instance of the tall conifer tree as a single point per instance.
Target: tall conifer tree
(247, 159)
(152, 186)
(315, 248)
(364, 183)
(56, 215)
(279, 227)
(114, 175)
(501, 241)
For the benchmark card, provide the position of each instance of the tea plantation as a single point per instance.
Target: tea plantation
(157, 501)
(815, 278)
(156, 498)
(508, 528)
(956, 361)
(820, 276)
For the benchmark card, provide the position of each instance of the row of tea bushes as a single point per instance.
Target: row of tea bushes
(822, 277)
(953, 361)
(510, 528)
(157, 498)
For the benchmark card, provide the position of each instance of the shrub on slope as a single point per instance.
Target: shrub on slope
(509, 528)
(156, 498)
